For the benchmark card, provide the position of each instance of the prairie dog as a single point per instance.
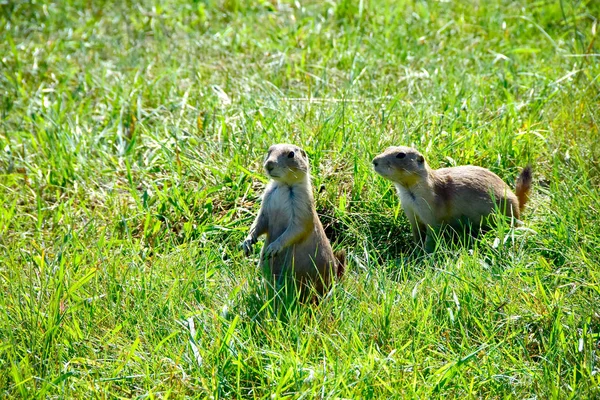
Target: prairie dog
(431, 197)
(295, 242)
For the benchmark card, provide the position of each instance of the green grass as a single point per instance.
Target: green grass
(131, 141)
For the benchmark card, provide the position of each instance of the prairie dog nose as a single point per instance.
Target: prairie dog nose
(375, 162)
(269, 165)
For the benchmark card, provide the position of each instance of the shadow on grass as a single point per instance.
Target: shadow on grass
(376, 233)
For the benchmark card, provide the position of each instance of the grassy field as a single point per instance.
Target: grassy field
(131, 141)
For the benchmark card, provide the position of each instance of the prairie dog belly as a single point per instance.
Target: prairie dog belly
(278, 205)
(416, 204)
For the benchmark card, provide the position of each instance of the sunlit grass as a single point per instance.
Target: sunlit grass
(131, 141)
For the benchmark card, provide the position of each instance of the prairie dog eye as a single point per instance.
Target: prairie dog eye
(291, 154)
(401, 155)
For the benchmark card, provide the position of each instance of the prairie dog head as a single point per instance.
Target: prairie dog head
(400, 164)
(286, 163)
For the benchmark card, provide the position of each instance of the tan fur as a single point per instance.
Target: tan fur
(295, 242)
(340, 257)
(523, 187)
(431, 198)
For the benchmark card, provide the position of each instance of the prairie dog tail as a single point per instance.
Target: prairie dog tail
(340, 256)
(523, 187)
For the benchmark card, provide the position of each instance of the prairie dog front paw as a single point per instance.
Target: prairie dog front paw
(273, 249)
(247, 246)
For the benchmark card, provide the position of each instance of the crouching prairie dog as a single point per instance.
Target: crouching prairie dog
(295, 240)
(433, 197)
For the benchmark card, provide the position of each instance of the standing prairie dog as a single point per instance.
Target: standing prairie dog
(433, 197)
(296, 242)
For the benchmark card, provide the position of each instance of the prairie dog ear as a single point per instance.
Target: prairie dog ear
(303, 153)
(420, 159)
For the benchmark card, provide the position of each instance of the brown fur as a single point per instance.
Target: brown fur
(340, 256)
(431, 197)
(523, 187)
(295, 240)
